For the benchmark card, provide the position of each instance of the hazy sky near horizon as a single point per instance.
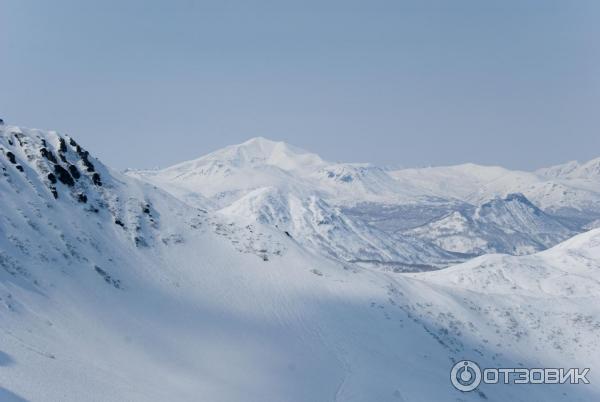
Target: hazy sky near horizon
(412, 83)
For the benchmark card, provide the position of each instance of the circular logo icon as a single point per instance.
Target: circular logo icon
(465, 375)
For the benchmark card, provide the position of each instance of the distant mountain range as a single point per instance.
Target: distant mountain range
(404, 220)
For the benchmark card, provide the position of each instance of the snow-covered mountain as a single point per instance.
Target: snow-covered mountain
(318, 226)
(571, 190)
(510, 225)
(573, 170)
(114, 290)
(402, 220)
(299, 193)
(234, 171)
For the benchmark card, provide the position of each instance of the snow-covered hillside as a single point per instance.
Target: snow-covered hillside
(573, 170)
(572, 189)
(411, 219)
(112, 290)
(234, 171)
(298, 193)
(510, 225)
(324, 229)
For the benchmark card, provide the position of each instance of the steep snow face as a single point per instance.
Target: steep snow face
(50, 174)
(134, 295)
(315, 224)
(512, 225)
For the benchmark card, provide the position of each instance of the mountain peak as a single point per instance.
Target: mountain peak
(260, 151)
(517, 200)
(265, 147)
(260, 141)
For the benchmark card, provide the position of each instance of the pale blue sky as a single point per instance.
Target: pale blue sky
(151, 83)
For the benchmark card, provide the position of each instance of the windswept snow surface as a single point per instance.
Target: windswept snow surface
(130, 294)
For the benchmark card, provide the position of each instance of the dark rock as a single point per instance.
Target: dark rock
(74, 172)
(48, 155)
(19, 168)
(20, 139)
(52, 178)
(11, 157)
(96, 179)
(89, 165)
(107, 278)
(85, 155)
(119, 222)
(62, 145)
(54, 192)
(63, 176)
(82, 198)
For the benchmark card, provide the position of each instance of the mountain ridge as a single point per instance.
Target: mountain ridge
(366, 194)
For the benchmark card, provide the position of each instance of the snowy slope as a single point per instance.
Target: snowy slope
(321, 228)
(238, 169)
(589, 170)
(572, 190)
(510, 225)
(235, 170)
(460, 181)
(298, 193)
(402, 220)
(130, 294)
